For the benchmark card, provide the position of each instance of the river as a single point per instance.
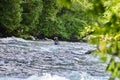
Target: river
(42, 60)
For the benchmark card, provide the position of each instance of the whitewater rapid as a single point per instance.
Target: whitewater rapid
(42, 60)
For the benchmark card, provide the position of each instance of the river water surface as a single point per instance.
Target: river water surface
(42, 60)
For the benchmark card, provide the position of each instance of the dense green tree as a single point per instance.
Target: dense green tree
(10, 17)
(48, 18)
(30, 17)
(65, 22)
(74, 19)
(48, 21)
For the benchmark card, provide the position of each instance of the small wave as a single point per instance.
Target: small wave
(34, 77)
(8, 39)
(70, 76)
(47, 77)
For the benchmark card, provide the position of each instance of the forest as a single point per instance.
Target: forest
(94, 21)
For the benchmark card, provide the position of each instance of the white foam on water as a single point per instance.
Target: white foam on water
(47, 77)
(8, 39)
(71, 76)
(34, 77)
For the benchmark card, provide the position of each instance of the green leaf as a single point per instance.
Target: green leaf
(65, 3)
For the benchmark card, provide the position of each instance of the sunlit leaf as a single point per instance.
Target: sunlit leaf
(102, 46)
(65, 3)
(117, 37)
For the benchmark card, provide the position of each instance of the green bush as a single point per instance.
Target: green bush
(10, 16)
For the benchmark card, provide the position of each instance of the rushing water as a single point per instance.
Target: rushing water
(42, 60)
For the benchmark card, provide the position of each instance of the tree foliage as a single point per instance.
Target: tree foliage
(30, 17)
(10, 16)
(46, 18)
(63, 21)
(73, 21)
(107, 33)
